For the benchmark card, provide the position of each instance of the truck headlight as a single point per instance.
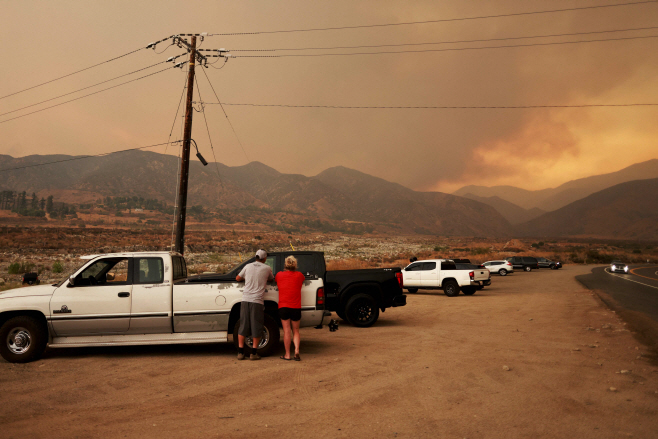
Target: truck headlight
(614, 268)
(626, 269)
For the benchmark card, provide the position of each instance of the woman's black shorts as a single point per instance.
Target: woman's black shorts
(294, 314)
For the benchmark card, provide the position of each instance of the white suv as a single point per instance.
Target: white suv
(500, 267)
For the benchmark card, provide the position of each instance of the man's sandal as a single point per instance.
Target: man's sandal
(297, 358)
(284, 358)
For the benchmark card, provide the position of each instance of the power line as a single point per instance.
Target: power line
(71, 74)
(448, 42)
(434, 107)
(84, 96)
(452, 49)
(203, 111)
(443, 20)
(82, 157)
(177, 110)
(84, 88)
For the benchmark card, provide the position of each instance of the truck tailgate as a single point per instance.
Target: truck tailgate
(480, 274)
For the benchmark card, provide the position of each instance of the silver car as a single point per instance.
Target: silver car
(500, 267)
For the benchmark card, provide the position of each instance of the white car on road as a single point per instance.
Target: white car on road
(503, 268)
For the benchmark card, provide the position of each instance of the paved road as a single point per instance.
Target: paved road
(636, 291)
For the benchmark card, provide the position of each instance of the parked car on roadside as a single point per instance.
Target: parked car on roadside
(31, 279)
(503, 268)
(142, 298)
(525, 263)
(547, 263)
(619, 267)
(442, 274)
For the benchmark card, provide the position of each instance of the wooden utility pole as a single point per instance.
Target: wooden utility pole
(181, 201)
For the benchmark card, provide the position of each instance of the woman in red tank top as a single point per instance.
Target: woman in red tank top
(290, 284)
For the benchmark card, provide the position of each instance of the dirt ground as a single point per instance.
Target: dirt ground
(435, 368)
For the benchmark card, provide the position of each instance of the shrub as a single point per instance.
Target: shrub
(57, 267)
(14, 268)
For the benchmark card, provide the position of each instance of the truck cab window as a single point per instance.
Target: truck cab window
(429, 266)
(271, 261)
(417, 266)
(112, 271)
(180, 269)
(448, 265)
(148, 271)
(306, 265)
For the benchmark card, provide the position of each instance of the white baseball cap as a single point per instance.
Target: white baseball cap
(261, 254)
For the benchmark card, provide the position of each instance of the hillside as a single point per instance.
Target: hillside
(510, 211)
(375, 199)
(336, 194)
(625, 211)
(555, 198)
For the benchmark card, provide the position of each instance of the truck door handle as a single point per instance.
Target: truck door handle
(124, 294)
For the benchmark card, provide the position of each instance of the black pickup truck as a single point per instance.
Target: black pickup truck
(356, 296)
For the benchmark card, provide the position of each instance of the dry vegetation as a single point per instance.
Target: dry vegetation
(54, 251)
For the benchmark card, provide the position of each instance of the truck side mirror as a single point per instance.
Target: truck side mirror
(71, 281)
(109, 276)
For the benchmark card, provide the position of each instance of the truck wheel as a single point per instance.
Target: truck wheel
(362, 310)
(23, 339)
(502, 272)
(451, 288)
(269, 342)
(469, 291)
(528, 268)
(412, 290)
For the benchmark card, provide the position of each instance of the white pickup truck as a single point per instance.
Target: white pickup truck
(443, 274)
(138, 299)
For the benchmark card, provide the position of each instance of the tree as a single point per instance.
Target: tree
(22, 205)
(42, 203)
(49, 204)
(34, 204)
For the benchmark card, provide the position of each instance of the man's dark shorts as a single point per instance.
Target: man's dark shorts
(294, 314)
(252, 316)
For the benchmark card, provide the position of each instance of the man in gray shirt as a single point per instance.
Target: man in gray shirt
(252, 309)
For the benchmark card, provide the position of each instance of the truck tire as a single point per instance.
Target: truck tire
(469, 291)
(362, 310)
(412, 290)
(341, 314)
(269, 343)
(502, 272)
(528, 268)
(23, 339)
(451, 288)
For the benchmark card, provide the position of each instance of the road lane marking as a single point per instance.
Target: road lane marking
(639, 268)
(650, 286)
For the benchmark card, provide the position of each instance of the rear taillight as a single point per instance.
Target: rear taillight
(319, 299)
(509, 263)
(398, 276)
(471, 275)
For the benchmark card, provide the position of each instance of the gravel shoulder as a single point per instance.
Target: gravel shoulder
(436, 367)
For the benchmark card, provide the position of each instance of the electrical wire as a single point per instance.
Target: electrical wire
(449, 42)
(434, 107)
(176, 115)
(443, 20)
(84, 88)
(452, 49)
(81, 157)
(241, 145)
(84, 96)
(71, 74)
(198, 89)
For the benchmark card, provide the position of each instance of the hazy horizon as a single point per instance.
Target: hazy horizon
(439, 149)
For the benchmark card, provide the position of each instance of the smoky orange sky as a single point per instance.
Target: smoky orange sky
(421, 149)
